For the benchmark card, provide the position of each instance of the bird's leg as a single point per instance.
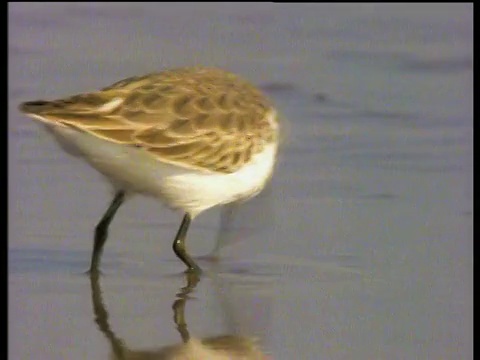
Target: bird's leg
(101, 231)
(179, 246)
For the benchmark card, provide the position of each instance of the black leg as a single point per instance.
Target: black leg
(101, 231)
(179, 246)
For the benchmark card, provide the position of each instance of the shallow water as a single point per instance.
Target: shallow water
(360, 249)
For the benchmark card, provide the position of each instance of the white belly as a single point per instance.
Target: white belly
(133, 169)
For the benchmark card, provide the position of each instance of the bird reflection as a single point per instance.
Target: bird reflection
(224, 347)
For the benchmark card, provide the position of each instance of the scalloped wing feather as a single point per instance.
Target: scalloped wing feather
(194, 117)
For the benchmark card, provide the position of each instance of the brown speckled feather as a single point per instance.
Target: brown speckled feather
(195, 117)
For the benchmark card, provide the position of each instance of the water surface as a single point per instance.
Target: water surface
(360, 249)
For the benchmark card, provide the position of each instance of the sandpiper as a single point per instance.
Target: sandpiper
(192, 137)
